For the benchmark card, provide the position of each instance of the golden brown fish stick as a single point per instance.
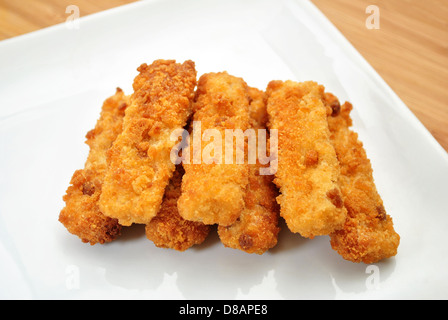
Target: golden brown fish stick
(256, 230)
(368, 234)
(81, 215)
(308, 170)
(139, 164)
(214, 193)
(168, 229)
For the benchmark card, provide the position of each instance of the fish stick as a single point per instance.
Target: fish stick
(213, 193)
(256, 230)
(139, 164)
(368, 234)
(81, 214)
(168, 229)
(308, 169)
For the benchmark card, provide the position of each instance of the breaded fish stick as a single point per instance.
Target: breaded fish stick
(256, 230)
(139, 164)
(214, 193)
(168, 229)
(81, 215)
(308, 170)
(368, 234)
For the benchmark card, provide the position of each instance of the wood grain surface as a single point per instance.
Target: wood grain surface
(409, 50)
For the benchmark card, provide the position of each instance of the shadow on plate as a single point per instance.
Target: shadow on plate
(297, 268)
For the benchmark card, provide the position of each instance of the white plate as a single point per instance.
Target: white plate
(52, 85)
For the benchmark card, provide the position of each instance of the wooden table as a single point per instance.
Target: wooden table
(409, 50)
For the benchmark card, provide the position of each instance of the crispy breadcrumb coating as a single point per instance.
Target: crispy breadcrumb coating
(324, 178)
(308, 170)
(139, 164)
(256, 230)
(368, 234)
(214, 193)
(81, 215)
(168, 229)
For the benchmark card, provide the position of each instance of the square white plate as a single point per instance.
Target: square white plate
(52, 85)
